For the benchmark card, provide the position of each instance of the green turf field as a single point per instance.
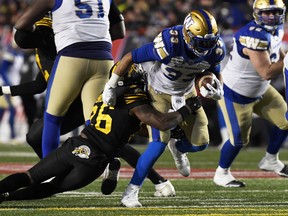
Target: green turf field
(194, 196)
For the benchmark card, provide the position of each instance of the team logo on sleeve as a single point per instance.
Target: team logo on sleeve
(253, 43)
(160, 46)
(82, 151)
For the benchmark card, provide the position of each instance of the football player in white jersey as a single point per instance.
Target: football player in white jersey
(255, 59)
(83, 58)
(172, 62)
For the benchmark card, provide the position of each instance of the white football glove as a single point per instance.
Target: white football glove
(212, 93)
(109, 95)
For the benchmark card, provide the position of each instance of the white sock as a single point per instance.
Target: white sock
(222, 170)
(272, 156)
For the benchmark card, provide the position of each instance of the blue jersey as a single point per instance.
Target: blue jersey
(171, 65)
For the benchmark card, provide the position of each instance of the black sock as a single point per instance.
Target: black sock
(37, 191)
(155, 177)
(14, 182)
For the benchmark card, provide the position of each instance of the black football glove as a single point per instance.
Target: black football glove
(192, 105)
(177, 133)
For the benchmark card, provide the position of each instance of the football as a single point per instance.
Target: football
(202, 80)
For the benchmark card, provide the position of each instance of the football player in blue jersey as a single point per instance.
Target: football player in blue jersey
(255, 59)
(82, 159)
(43, 41)
(172, 62)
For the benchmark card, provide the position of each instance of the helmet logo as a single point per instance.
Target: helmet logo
(188, 22)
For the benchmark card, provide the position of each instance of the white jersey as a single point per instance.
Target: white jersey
(80, 21)
(239, 74)
(157, 76)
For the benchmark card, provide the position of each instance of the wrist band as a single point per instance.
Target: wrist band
(113, 80)
(6, 90)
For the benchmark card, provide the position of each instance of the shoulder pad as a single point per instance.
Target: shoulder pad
(165, 40)
(254, 37)
(160, 46)
(218, 52)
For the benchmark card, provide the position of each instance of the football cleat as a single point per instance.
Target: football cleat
(4, 197)
(111, 176)
(164, 189)
(181, 160)
(224, 178)
(284, 171)
(273, 164)
(130, 197)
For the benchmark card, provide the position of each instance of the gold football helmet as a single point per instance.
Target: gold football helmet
(200, 32)
(276, 7)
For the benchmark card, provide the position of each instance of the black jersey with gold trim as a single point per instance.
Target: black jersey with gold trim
(41, 39)
(46, 51)
(111, 127)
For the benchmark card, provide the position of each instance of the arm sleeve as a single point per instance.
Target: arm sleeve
(158, 50)
(34, 87)
(114, 14)
(27, 40)
(144, 53)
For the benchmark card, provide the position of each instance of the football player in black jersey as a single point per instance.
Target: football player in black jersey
(82, 159)
(43, 40)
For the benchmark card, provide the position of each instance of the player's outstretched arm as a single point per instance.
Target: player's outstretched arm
(34, 12)
(109, 93)
(165, 121)
(36, 86)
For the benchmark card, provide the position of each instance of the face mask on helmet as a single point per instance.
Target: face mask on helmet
(269, 13)
(200, 32)
(134, 81)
